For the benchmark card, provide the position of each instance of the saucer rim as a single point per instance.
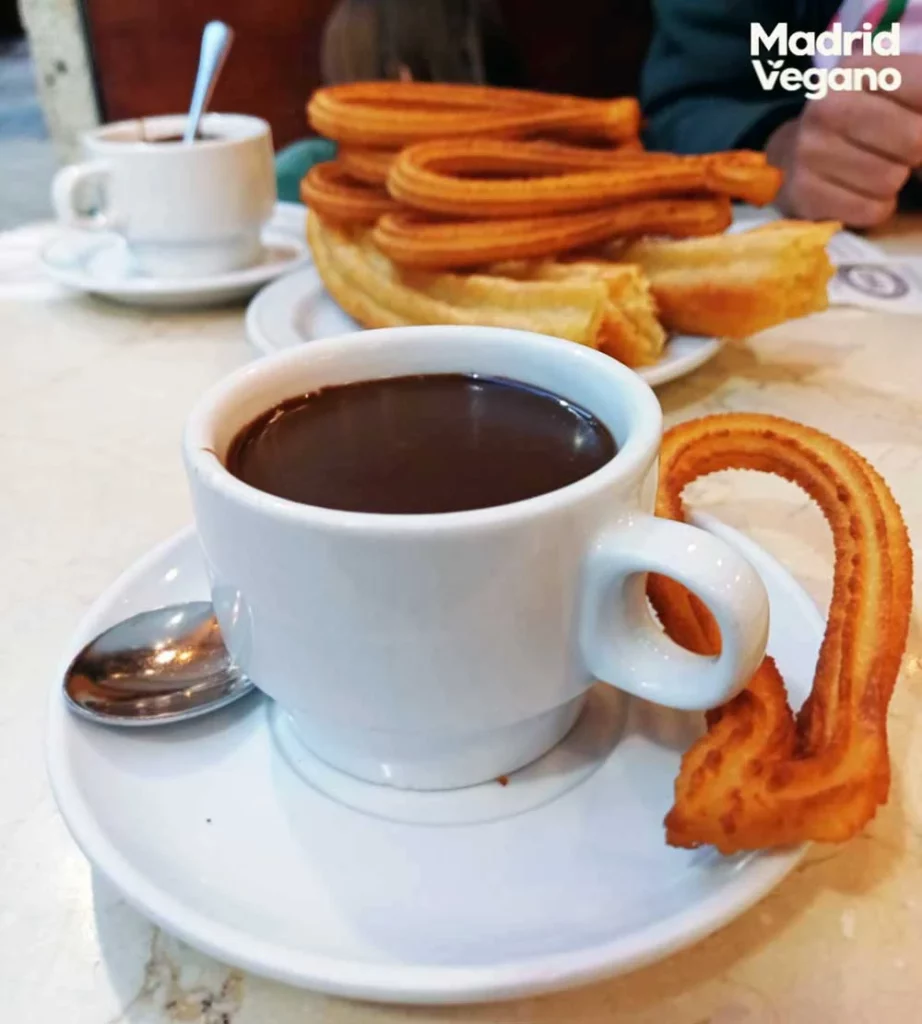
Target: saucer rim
(144, 285)
(399, 983)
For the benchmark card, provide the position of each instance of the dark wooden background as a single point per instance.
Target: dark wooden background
(145, 52)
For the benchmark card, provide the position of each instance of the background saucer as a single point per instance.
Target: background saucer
(99, 263)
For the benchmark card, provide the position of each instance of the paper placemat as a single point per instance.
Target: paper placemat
(867, 278)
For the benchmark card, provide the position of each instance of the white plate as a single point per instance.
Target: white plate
(208, 830)
(100, 263)
(298, 308)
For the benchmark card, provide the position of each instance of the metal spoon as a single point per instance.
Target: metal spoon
(216, 41)
(159, 666)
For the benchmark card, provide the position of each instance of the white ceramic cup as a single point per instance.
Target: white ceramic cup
(437, 651)
(184, 210)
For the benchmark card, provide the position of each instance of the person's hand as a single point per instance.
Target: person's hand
(849, 154)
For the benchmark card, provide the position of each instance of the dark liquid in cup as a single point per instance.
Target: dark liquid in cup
(178, 138)
(429, 443)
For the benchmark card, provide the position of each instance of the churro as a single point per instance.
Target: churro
(609, 309)
(735, 285)
(446, 177)
(366, 283)
(762, 776)
(389, 115)
(415, 241)
(329, 190)
(370, 166)
(459, 178)
(629, 330)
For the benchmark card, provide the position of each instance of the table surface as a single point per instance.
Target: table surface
(92, 401)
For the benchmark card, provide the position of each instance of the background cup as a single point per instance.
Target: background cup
(184, 210)
(435, 651)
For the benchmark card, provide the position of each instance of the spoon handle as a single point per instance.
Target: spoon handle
(216, 40)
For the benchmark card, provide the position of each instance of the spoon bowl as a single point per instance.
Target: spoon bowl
(165, 665)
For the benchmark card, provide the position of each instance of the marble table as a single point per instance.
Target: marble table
(92, 401)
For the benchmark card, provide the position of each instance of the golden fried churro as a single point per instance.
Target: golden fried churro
(629, 330)
(742, 174)
(735, 285)
(414, 241)
(762, 777)
(446, 176)
(371, 166)
(370, 288)
(329, 190)
(388, 115)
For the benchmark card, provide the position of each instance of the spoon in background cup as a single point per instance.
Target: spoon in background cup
(216, 41)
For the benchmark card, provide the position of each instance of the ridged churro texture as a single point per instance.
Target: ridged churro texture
(480, 174)
(415, 240)
(370, 166)
(762, 776)
(454, 178)
(609, 308)
(390, 115)
(450, 177)
(732, 286)
(334, 194)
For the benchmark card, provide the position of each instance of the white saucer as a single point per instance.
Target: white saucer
(298, 308)
(208, 830)
(581, 752)
(100, 263)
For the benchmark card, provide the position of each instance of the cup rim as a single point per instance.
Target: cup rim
(253, 128)
(641, 444)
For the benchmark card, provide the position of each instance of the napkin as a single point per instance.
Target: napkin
(867, 278)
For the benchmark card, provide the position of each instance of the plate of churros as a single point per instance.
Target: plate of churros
(299, 308)
(451, 204)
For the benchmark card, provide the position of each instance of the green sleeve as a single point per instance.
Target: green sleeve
(294, 161)
(699, 90)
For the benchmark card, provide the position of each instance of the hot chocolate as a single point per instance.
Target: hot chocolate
(422, 444)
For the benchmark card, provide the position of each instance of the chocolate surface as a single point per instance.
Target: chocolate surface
(178, 138)
(422, 444)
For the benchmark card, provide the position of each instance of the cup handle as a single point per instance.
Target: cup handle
(65, 192)
(623, 644)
